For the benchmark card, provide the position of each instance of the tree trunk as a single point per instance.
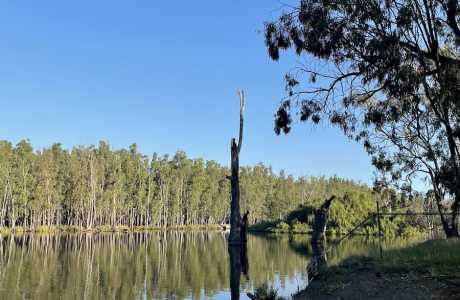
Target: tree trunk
(454, 217)
(321, 215)
(318, 263)
(450, 228)
(235, 215)
(445, 224)
(454, 161)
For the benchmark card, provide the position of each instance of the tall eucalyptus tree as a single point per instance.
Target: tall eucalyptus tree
(388, 74)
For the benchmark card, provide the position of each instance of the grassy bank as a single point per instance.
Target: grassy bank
(438, 257)
(103, 228)
(427, 270)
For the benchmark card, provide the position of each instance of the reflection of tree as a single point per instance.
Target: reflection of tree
(150, 265)
(300, 244)
(318, 262)
(238, 258)
(128, 266)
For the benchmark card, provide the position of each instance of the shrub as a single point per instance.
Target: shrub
(298, 227)
(282, 227)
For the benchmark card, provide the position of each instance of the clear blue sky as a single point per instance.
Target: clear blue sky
(162, 74)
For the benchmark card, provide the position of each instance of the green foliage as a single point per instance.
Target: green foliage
(282, 227)
(98, 188)
(395, 90)
(353, 207)
(298, 227)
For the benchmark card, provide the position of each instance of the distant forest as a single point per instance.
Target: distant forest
(93, 186)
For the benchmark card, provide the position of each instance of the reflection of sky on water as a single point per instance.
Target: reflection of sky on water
(285, 286)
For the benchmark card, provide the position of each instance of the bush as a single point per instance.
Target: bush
(282, 227)
(298, 227)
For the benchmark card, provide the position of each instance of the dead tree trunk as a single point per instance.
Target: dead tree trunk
(318, 263)
(235, 215)
(321, 215)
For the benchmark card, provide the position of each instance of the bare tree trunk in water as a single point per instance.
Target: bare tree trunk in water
(321, 215)
(318, 262)
(235, 216)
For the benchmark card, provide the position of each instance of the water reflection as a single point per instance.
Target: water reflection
(162, 265)
(137, 266)
(239, 265)
(318, 262)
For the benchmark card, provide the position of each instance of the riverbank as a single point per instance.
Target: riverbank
(106, 228)
(428, 270)
(301, 221)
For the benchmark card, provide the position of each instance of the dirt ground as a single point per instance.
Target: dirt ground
(367, 282)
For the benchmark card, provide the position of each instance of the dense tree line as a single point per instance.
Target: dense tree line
(92, 186)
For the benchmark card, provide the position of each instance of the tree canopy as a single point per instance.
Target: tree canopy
(387, 73)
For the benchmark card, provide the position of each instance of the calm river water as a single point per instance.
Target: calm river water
(160, 265)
